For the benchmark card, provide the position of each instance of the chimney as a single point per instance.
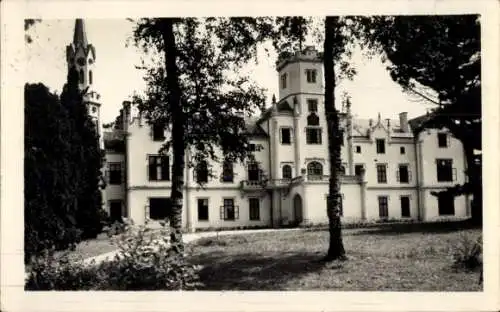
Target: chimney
(403, 122)
(126, 114)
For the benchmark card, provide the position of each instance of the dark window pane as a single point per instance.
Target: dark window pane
(405, 206)
(380, 146)
(202, 209)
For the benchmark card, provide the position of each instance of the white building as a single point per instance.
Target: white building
(389, 172)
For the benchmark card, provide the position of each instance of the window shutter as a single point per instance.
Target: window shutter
(454, 172)
(146, 212)
(447, 140)
(222, 212)
(397, 176)
(409, 175)
(236, 212)
(165, 168)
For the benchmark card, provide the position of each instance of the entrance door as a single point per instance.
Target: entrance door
(115, 210)
(297, 208)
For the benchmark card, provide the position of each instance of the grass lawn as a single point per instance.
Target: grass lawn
(93, 247)
(407, 258)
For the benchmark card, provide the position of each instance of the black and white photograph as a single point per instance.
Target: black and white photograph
(269, 152)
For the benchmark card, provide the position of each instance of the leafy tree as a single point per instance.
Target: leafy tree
(85, 161)
(28, 23)
(48, 211)
(441, 53)
(334, 46)
(193, 93)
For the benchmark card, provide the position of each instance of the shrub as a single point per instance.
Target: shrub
(466, 252)
(145, 261)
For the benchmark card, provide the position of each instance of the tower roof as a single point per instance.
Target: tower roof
(80, 36)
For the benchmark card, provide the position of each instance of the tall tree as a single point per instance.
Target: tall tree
(48, 210)
(86, 159)
(332, 47)
(195, 96)
(442, 53)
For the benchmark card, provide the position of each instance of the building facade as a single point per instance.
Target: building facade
(389, 172)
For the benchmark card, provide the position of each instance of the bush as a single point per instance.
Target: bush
(466, 252)
(145, 261)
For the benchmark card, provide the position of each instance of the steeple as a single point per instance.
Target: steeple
(80, 36)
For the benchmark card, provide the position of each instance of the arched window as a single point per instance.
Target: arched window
(314, 170)
(202, 172)
(313, 120)
(81, 75)
(91, 78)
(287, 172)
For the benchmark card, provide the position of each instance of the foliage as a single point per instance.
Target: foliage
(29, 23)
(145, 261)
(214, 104)
(467, 252)
(86, 160)
(49, 215)
(62, 170)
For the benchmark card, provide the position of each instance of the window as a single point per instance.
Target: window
(159, 208)
(228, 211)
(405, 206)
(91, 78)
(383, 207)
(287, 172)
(283, 81)
(253, 171)
(158, 168)
(446, 204)
(358, 149)
(402, 150)
(286, 137)
(380, 146)
(312, 105)
(313, 135)
(254, 206)
(382, 173)
(358, 169)
(227, 171)
(202, 209)
(442, 140)
(251, 147)
(202, 172)
(445, 170)
(313, 119)
(158, 132)
(403, 174)
(80, 75)
(115, 173)
(314, 170)
(311, 75)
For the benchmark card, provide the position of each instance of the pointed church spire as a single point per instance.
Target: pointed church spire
(80, 36)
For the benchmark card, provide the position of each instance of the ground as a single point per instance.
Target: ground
(409, 258)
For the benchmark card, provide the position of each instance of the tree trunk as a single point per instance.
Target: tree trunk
(476, 184)
(336, 248)
(178, 125)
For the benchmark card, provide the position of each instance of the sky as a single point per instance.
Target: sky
(116, 78)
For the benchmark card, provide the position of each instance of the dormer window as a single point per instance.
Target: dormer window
(311, 75)
(380, 146)
(442, 140)
(283, 81)
(158, 132)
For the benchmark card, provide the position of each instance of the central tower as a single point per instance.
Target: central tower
(81, 55)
